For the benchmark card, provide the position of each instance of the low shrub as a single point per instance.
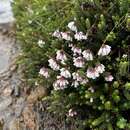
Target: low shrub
(79, 50)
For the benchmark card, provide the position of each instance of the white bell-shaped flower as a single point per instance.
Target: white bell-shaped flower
(57, 34)
(109, 77)
(65, 73)
(76, 50)
(87, 54)
(71, 26)
(61, 83)
(44, 72)
(75, 84)
(66, 36)
(79, 62)
(104, 50)
(53, 64)
(100, 68)
(60, 55)
(92, 73)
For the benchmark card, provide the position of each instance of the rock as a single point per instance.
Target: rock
(6, 14)
(15, 125)
(11, 107)
(7, 91)
(19, 106)
(5, 5)
(6, 115)
(6, 45)
(38, 93)
(29, 118)
(16, 91)
(5, 102)
(15, 82)
(13, 67)
(3, 61)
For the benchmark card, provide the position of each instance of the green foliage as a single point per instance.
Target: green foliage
(35, 20)
(121, 123)
(98, 104)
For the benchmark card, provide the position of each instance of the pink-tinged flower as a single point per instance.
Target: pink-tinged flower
(72, 113)
(77, 77)
(75, 84)
(84, 81)
(80, 36)
(53, 64)
(79, 62)
(72, 26)
(65, 73)
(60, 55)
(100, 68)
(87, 54)
(61, 83)
(109, 78)
(104, 50)
(57, 34)
(76, 50)
(92, 73)
(66, 36)
(44, 72)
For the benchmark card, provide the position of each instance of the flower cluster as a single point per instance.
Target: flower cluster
(80, 36)
(62, 35)
(79, 59)
(66, 35)
(95, 72)
(78, 79)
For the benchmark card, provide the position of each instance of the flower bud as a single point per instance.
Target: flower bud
(127, 86)
(116, 98)
(115, 84)
(108, 105)
(88, 24)
(128, 23)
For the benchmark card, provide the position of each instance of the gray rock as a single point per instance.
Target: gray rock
(14, 125)
(5, 114)
(7, 91)
(6, 14)
(19, 106)
(5, 102)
